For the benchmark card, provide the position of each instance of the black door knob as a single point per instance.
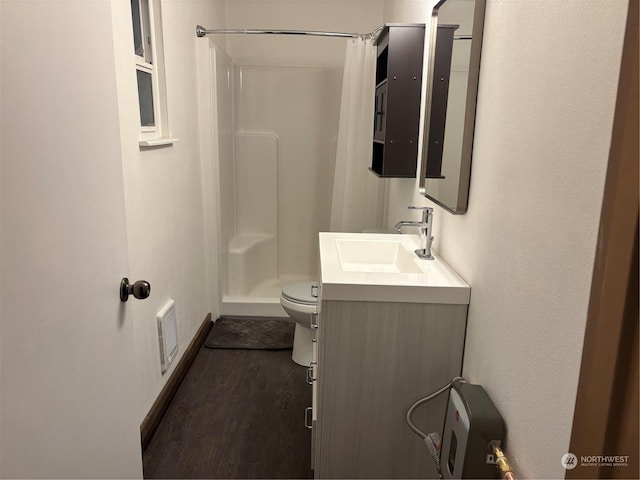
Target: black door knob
(140, 289)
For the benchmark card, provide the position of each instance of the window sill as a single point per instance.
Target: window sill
(157, 142)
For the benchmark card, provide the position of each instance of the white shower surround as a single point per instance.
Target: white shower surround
(285, 122)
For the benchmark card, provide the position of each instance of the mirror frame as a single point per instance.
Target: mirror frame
(470, 108)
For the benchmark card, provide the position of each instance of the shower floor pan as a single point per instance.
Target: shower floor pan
(263, 300)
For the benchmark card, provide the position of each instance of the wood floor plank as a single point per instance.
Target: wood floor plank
(237, 414)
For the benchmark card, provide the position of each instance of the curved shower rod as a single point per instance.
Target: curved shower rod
(201, 32)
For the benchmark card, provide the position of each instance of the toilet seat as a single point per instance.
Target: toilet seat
(299, 293)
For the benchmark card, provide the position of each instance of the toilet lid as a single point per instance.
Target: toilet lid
(300, 292)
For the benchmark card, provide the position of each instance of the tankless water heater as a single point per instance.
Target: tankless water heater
(472, 425)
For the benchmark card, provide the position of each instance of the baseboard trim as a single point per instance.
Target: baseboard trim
(157, 411)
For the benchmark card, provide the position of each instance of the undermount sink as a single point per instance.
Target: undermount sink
(370, 255)
(384, 268)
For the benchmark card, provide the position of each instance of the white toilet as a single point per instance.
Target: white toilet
(300, 302)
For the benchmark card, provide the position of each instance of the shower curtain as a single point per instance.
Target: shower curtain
(357, 201)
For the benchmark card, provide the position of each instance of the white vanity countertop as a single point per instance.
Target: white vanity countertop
(384, 268)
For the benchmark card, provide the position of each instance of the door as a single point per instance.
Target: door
(605, 420)
(68, 393)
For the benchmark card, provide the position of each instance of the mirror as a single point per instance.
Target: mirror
(452, 86)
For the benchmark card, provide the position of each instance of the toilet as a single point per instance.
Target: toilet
(299, 300)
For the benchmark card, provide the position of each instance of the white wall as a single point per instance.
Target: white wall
(546, 99)
(170, 242)
(361, 16)
(406, 11)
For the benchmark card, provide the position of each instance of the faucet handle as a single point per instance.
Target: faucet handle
(426, 211)
(412, 207)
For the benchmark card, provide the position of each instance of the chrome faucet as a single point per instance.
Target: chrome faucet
(425, 225)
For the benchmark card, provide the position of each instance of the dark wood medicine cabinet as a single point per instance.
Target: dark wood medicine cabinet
(400, 48)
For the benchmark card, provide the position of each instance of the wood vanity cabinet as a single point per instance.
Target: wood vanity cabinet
(397, 103)
(373, 361)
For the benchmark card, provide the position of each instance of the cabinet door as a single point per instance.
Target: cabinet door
(375, 360)
(397, 115)
(379, 126)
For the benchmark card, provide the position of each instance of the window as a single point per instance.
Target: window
(148, 54)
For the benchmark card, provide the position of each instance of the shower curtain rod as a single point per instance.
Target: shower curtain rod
(201, 32)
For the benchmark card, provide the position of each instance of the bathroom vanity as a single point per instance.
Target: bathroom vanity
(390, 329)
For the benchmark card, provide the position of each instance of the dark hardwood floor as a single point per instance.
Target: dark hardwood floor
(237, 414)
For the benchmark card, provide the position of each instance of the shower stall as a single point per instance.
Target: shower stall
(276, 129)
